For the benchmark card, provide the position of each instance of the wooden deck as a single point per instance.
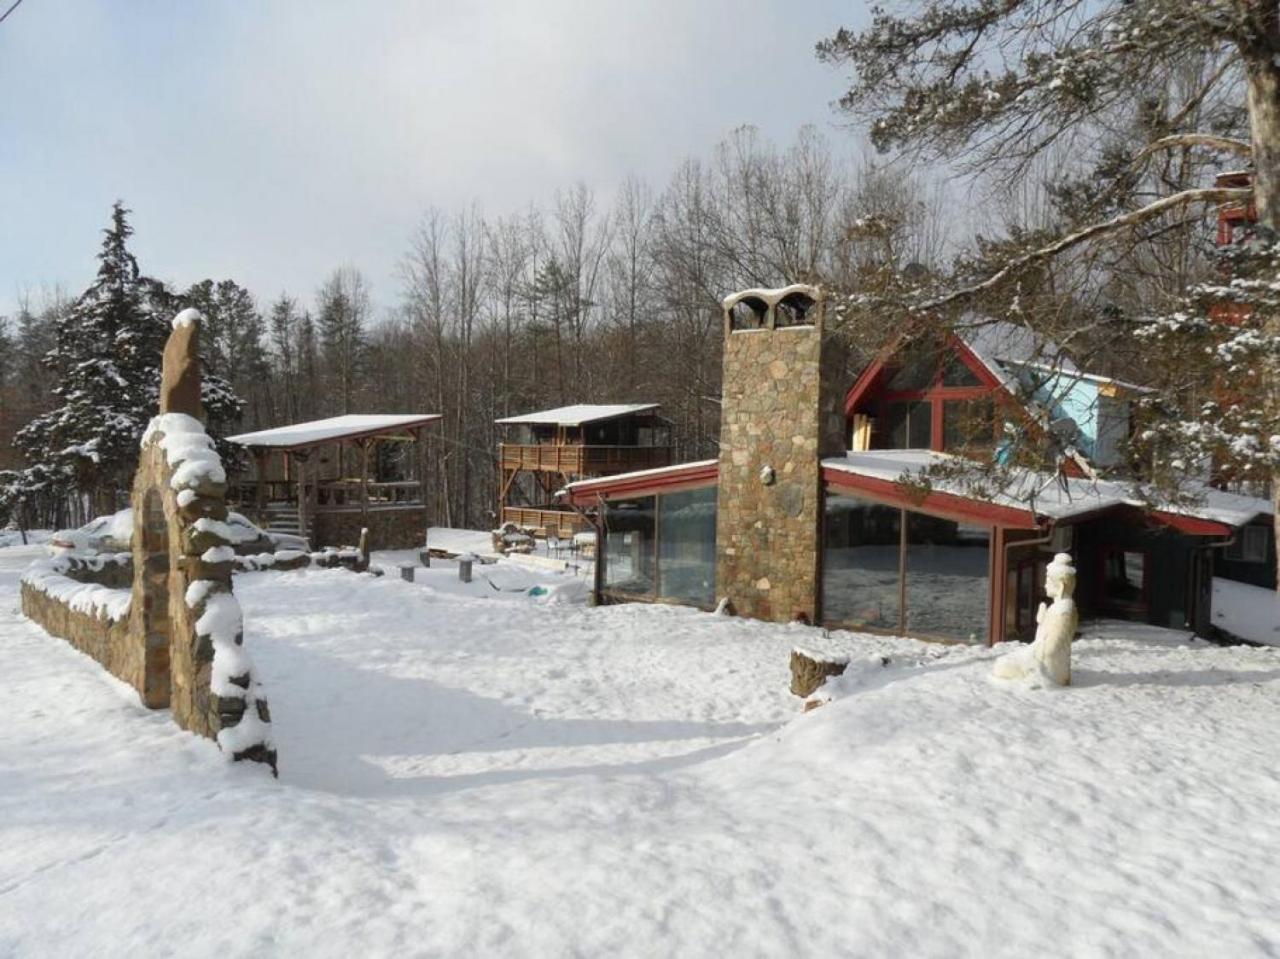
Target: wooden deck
(544, 522)
(577, 460)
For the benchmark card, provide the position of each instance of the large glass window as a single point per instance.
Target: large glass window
(909, 424)
(968, 424)
(630, 564)
(957, 373)
(687, 546)
(946, 587)
(947, 578)
(860, 563)
(1249, 545)
(917, 372)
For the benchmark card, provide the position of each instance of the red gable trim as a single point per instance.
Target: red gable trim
(868, 377)
(971, 360)
(862, 385)
(668, 481)
(945, 505)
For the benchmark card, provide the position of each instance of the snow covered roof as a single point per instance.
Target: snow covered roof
(999, 344)
(333, 429)
(577, 415)
(1043, 493)
(639, 479)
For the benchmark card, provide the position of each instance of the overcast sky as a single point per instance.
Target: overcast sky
(270, 142)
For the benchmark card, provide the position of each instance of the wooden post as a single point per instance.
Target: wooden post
(261, 458)
(364, 479)
(302, 491)
(598, 571)
(902, 572)
(997, 576)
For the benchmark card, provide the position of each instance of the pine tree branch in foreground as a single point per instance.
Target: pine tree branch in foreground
(1091, 232)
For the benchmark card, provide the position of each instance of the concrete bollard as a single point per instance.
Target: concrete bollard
(406, 573)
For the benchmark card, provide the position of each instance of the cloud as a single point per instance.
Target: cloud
(272, 142)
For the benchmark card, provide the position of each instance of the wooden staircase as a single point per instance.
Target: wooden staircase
(282, 518)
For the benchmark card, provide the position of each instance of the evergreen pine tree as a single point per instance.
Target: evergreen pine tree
(343, 304)
(106, 363)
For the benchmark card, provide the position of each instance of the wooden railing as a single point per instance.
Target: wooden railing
(583, 460)
(328, 494)
(544, 521)
(340, 493)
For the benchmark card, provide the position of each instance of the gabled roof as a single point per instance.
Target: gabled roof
(996, 343)
(578, 415)
(998, 348)
(334, 429)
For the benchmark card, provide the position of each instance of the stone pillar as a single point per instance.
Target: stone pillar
(782, 411)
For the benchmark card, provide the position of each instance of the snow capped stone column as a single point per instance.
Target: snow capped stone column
(183, 561)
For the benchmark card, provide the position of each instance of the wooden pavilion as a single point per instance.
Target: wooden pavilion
(327, 479)
(552, 448)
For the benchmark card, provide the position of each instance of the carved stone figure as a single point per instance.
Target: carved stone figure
(1049, 656)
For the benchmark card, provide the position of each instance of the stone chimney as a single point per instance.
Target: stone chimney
(781, 412)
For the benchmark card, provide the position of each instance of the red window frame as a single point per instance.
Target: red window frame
(937, 395)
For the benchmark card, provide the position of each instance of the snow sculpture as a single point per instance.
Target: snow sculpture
(1049, 656)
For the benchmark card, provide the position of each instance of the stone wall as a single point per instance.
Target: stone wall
(97, 636)
(782, 410)
(398, 528)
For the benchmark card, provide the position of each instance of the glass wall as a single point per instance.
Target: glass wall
(947, 578)
(860, 562)
(630, 564)
(687, 546)
(946, 563)
(662, 547)
(909, 424)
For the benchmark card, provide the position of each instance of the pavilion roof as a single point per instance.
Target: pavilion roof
(578, 415)
(335, 429)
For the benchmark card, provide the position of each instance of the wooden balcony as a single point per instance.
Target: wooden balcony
(575, 460)
(327, 494)
(560, 522)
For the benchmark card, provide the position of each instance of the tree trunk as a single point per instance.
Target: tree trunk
(1263, 78)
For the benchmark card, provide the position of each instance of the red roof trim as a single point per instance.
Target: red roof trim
(946, 505)
(867, 378)
(1192, 525)
(976, 365)
(668, 481)
(862, 384)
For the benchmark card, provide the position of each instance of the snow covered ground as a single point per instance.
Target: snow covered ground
(468, 770)
(13, 537)
(1247, 611)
